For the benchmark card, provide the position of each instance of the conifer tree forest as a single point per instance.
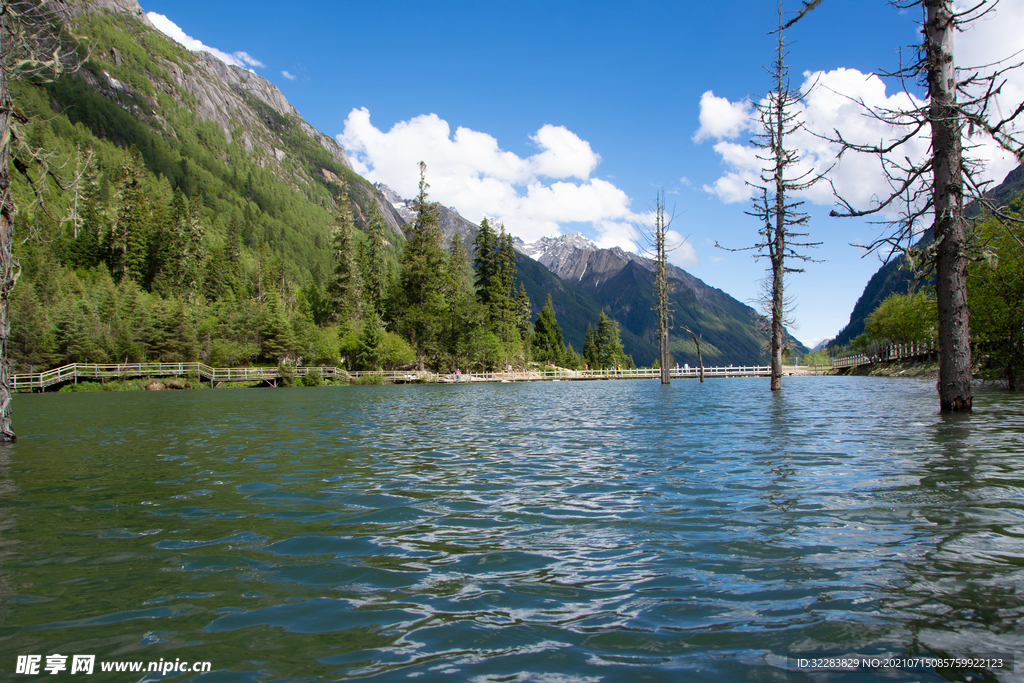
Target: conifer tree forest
(162, 239)
(136, 279)
(196, 253)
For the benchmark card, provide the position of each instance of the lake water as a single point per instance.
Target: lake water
(551, 532)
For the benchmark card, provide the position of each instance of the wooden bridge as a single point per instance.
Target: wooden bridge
(74, 372)
(888, 352)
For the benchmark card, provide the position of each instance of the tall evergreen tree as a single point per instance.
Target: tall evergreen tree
(32, 48)
(375, 264)
(129, 241)
(463, 310)
(590, 353)
(183, 251)
(524, 313)
(609, 344)
(501, 297)
(277, 338)
(486, 260)
(345, 287)
(547, 334)
(371, 343)
(422, 264)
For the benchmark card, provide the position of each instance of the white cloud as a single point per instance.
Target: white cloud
(565, 155)
(824, 109)
(681, 251)
(172, 31)
(290, 77)
(533, 196)
(834, 103)
(246, 58)
(720, 118)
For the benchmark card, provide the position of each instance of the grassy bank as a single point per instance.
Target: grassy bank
(920, 369)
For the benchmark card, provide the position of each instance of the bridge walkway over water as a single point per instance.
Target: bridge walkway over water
(76, 372)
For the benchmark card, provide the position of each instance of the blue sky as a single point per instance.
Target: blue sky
(570, 116)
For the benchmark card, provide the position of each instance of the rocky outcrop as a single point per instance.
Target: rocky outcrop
(130, 7)
(233, 97)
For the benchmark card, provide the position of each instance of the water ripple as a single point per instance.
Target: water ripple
(545, 532)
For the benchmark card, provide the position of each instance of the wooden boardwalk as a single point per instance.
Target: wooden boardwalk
(888, 352)
(93, 372)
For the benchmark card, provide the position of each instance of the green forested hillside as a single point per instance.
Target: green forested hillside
(158, 239)
(162, 227)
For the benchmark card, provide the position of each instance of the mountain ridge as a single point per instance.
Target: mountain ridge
(220, 132)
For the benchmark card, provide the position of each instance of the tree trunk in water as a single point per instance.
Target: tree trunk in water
(950, 226)
(661, 282)
(666, 376)
(700, 358)
(778, 314)
(8, 265)
(777, 248)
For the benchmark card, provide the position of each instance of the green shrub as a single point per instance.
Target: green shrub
(81, 386)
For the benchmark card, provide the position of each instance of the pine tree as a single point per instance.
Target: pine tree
(278, 341)
(422, 264)
(961, 100)
(129, 242)
(774, 206)
(524, 313)
(34, 49)
(609, 344)
(345, 287)
(375, 265)
(590, 353)
(371, 343)
(547, 334)
(182, 251)
(485, 261)
(464, 312)
(501, 289)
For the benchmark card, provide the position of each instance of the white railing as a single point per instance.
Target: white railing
(887, 352)
(103, 372)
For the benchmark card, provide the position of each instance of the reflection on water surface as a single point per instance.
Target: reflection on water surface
(599, 531)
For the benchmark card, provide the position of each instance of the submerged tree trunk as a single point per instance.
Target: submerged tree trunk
(661, 284)
(778, 294)
(950, 226)
(700, 358)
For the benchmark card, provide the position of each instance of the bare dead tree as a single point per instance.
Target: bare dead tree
(34, 47)
(656, 250)
(937, 188)
(773, 205)
(700, 358)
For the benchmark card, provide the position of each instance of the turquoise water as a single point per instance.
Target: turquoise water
(550, 532)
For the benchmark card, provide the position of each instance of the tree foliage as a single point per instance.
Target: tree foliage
(904, 318)
(996, 299)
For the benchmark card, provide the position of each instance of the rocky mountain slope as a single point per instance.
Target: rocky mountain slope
(213, 128)
(622, 283)
(248, 109)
